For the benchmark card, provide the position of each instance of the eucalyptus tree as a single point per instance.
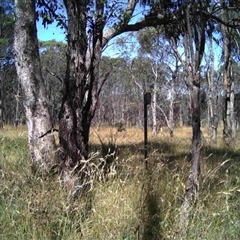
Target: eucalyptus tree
(193, 37)
(90, 25)
(191, 31)
(211, 77)
(140, 76)
(98, 24)
(27, 61)
(147, 70)
(229, 125)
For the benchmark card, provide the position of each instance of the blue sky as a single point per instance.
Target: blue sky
(52, 32)
(49, 33)
(55, 33)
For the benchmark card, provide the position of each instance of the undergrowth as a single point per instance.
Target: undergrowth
(131, 202)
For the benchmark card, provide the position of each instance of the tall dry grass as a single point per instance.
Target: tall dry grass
(129, 201)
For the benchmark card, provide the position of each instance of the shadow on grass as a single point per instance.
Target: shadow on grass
(220, 153)
(173, 151)
(126, 150)
(151, 216)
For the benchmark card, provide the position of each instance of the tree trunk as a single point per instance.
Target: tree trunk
(154, 110)
(214, 119)
(81, 89)
(82, 82)
(232, 112)
(41, 140)
(192, 184)
(227, 86)
(212, 99)
(229, 130)
(193, 180)
(228, 115)
(193, 54)
(172, 101)
(74, 119)
(154, 99)
(171, 112)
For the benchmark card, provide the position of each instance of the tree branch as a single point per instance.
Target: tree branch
(164, 114)
(147, 22)
(54, 74)
(118, 29)
(154, 21)
(55, 15)
(103, 81)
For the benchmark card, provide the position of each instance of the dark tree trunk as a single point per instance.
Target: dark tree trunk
(227, 87)
(193, 54)
(192, 184)
(82, 82)
(74, 115)
(81, 88)
(232, 112)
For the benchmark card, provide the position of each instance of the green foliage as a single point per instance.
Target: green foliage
(51, 11)
(150, 39)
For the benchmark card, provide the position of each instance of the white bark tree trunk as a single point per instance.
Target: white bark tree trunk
(154, 98)
(40, 137)
(154, 110)
(212, 98)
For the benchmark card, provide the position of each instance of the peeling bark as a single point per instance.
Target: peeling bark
(27, 61)
(82, 88)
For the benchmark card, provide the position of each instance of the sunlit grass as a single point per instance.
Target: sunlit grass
(132, 202)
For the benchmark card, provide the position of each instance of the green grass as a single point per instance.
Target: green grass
(131, 202)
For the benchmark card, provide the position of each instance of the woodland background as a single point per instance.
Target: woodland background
(187, 56)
